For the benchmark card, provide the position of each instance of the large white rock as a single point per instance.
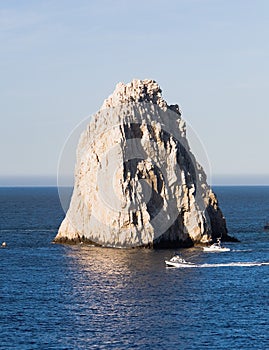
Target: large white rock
(136, 181)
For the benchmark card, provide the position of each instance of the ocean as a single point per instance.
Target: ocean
(81, 297)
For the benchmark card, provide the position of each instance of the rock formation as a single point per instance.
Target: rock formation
(137, 184)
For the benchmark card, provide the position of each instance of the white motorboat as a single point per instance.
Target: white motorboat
(216, 247)
(178, 261)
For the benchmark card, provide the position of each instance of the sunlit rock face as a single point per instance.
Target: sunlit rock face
(137, 184)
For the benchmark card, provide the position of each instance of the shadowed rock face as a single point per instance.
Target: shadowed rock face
(137, 184)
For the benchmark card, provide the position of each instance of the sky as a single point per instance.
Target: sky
(60, 59)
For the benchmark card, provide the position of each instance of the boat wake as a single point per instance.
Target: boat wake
(240, 264)
(241, 250)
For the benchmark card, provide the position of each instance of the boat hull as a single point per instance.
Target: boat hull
(216, 250)
(178, 264)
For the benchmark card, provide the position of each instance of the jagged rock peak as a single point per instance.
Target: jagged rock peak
(146, 90)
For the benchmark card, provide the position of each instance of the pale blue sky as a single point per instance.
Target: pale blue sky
(60, 59)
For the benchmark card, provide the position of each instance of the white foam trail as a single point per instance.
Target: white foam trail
(244, 264)
(242, 250)
(241, 264)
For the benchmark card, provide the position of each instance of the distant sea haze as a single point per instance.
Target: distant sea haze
(51, 180)
(241, 179)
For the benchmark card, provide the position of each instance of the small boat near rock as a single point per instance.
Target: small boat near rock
(216, 247)
(178, 261)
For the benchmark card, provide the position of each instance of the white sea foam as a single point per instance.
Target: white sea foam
(241, 250)
(240, 264)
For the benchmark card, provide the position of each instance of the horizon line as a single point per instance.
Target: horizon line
(52, 181)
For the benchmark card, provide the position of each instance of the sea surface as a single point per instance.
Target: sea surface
(79, 297)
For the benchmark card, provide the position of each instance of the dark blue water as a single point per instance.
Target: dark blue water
(80, 297)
